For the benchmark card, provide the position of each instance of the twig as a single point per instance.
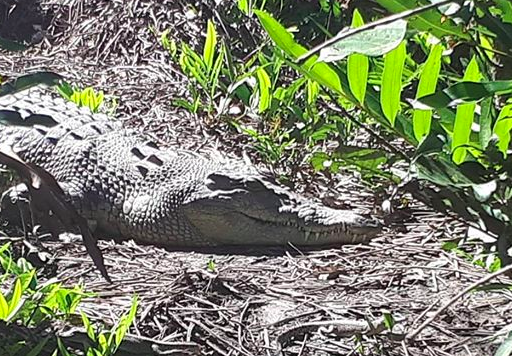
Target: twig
(367, 128)
(480, 282)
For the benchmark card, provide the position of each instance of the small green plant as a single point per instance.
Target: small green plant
(29, 303)
(484, 259)
(87, 97)
(203, 70)
(272, 149)
(211, 265)
(105, 343)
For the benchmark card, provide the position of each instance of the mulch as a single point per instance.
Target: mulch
(259, 301)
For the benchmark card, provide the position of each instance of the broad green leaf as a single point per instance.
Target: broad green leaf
(431, 21)
(102, 342)
(502, 30)
(126, 321)
(427, 85)
(442, 171)
(320, 72)
(217, 66)
(392, 82)
(209, 46)
(357, 66)
(374, 42)
(5, 247)
(464, 117)
(502, 128)
(505, 7)
(16, 295)
(312, 90)
(243, 5)
(264, 90)
(88, 327)
(465, 91)
(4, 307)
(485, 122)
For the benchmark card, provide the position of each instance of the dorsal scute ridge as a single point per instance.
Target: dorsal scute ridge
(38, 100)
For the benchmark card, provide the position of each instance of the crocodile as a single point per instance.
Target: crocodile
(127, 185)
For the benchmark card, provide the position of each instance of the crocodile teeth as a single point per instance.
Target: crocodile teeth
(317, 236)
(306, 235)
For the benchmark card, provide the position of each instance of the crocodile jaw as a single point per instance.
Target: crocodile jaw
(306, 224)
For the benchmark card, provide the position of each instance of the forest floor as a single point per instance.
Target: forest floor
(255, 301)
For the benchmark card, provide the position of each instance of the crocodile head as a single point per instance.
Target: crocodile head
(252, 210)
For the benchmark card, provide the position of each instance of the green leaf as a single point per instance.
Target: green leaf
(374, 42)
(126, 321)
(466, 91)
(357, 66)
(168, 44)
(392, 82)
(389, 321)
(243, 5)
(501, 29)
(16, 296)
(4, 307)
(505, 7)
(88, 327)
(427, 84)
(62, 348)
(485, 121)
(209, 46)
(502, 128)
(464, 117)
(103, 343)
(431, 21)
(265, 98)
(214, 75)
(5, 247)
(320, 72)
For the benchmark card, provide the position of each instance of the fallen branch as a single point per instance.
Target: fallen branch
(478, 283)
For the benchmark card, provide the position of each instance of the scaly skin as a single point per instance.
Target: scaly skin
(130, 187)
